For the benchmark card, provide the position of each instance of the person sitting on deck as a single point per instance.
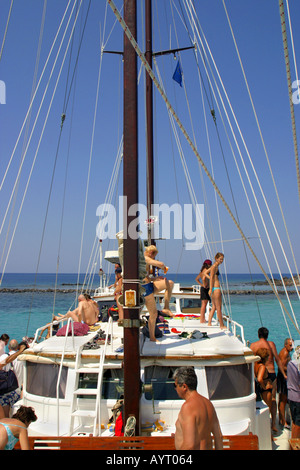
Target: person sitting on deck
(86, 312)
(160, 283)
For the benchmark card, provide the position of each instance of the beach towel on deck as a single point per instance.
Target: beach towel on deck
(80, 329)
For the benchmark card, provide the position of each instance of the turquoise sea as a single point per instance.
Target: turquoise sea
(27, 301)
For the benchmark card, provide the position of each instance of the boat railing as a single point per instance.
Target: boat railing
(196, 288)
(70, 322)
(234, 326)
(100, 377)
(40, 331)
(231, 325)
(104, 290)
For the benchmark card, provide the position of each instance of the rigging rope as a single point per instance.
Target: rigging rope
(65, 107)
(183, 130)
(293, 48)
(262, 139)
(6, 28)
(245, 169)
(42, 132)
(288, 74)
(28, 121)
(56, 155)
(36, 90)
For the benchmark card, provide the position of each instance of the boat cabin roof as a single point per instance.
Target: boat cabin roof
(183, 337)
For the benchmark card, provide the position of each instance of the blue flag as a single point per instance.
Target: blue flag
(177, 76)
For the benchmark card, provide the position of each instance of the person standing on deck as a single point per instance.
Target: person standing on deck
(215, 291)
(293, 387)
(263, 342)
(197, 420)
(285, 357)
(204, 297)
(160, 283)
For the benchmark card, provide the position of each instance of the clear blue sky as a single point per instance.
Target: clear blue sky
(256, 25)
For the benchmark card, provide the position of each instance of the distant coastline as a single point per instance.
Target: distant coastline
(68, 284)
(246, 291)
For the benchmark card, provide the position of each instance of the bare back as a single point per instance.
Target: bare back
(196, 422)
(263, 343)
(88, 312)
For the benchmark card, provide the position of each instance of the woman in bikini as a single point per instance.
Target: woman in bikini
(215, 291)
(204, 297)
(263, 382)
(15, 428)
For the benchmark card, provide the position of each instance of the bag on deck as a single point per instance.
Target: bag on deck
(158, 332)
(8, 381)
(80, 329)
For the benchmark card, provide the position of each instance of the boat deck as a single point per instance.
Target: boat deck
(183, 337)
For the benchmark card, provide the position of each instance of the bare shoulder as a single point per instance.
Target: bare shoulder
(272, 346)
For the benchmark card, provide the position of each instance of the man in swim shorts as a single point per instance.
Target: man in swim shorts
(285, 357)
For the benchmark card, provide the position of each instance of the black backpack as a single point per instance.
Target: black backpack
(8, 381)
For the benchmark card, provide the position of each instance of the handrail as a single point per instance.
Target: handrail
(100, 380)
(104, 290)
(55, 322)
(70, 320)
(235, 324)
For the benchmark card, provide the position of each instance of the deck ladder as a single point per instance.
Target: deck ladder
(94, 414)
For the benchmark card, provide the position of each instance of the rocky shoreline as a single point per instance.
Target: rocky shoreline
(251, 290)
(8, 290)
(287, 281)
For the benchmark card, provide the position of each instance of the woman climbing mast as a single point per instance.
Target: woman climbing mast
(215, 291)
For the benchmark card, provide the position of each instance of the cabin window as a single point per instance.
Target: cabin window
(42, 380)
(112, 383)
(161, 379)
(190, 305)
(224, 382)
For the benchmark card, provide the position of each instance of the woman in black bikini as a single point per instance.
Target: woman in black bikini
(204, 287)
(263, 383)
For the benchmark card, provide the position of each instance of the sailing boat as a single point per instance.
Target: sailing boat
(223, 362)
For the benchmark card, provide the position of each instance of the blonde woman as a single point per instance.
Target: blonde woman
(215, 291)
(160, 283)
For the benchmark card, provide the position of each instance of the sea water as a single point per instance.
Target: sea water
(28, 302)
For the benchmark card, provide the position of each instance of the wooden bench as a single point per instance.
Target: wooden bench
(294, 443)
(242, 442)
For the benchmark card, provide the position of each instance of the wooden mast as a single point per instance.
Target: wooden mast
(130, 189)
(149, 115)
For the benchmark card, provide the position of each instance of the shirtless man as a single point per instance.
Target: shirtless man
(160, 283)
(263, 342)
(87, 311)
(197, 419)
(285, 357)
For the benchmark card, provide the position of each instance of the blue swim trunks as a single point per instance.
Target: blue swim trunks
(149, 289)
